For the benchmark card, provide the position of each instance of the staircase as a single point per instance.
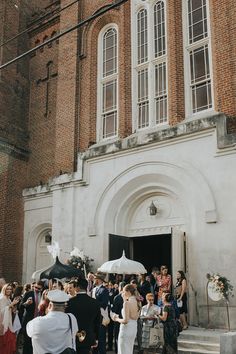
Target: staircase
(197, 340)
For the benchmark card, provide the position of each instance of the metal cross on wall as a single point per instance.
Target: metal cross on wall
(48, 79)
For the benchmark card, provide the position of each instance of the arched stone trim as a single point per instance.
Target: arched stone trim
(31, 247)
(183, 182)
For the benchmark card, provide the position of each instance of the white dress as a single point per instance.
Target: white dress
(127, 336)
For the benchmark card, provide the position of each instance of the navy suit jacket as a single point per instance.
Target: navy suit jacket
(27, 311)
(102, 295)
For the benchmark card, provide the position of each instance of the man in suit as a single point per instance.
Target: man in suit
(29, 310)
(101, 294)
(88, 315)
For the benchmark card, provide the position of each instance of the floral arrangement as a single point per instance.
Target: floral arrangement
(222, 285)
(79, 260)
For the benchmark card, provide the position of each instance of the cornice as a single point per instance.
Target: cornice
(13, 150)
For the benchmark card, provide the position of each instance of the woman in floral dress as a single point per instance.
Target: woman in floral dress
(164, 283)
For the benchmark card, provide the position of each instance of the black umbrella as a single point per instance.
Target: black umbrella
(59, 271)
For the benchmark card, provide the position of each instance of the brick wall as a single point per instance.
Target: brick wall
(42, 108)
(67, 95)
(175, 62)
(4, 161)
(14, 142)
(224, 55)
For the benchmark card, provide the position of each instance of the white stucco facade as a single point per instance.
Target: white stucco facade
(188, 177)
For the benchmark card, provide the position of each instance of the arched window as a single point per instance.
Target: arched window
(149, 64)
(108, 84)
(142, 58)
(197, 57)
(160, 64)
(159, 29)
(142, 34)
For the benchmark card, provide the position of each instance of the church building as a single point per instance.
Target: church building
(120, 135)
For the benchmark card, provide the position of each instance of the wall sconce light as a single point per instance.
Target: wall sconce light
(152, 209)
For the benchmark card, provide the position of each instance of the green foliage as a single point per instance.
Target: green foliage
(78, 262)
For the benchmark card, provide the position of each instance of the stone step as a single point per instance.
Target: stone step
(201, 334)
(196, 351)
(197, 340)
(197, 344)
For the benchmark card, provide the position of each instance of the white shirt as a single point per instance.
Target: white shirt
(94, 291)
(51, 333)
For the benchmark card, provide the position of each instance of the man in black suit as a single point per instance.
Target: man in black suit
(29, 310)
(88, 315)
(100, 292)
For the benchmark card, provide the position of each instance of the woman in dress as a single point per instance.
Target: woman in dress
(163, 283)
(169, 325)
(7, 311)
(148, 314)
(181, 296)
(128, 322)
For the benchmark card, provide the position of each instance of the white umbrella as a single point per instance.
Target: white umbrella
(122, 265)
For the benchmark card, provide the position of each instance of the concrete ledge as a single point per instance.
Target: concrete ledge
(228, 343)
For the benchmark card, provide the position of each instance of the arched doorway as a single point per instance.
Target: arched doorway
(153, 240)
(43, 257)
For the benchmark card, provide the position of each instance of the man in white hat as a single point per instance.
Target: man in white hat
(52, 333)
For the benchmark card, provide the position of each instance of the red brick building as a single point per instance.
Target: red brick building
(144, 75)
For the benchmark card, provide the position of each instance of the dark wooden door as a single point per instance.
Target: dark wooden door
(116, 246)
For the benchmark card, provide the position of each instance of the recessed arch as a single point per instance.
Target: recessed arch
(155, 178)
(34, 236)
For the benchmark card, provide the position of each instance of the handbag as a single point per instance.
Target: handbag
(156, 334)
(179, 303)
(70, 350)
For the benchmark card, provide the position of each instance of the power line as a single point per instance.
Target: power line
(53, 12)
(80, 24)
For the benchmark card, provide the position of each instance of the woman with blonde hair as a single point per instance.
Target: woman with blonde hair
(148, 314)
(7, 311)
(128, 322)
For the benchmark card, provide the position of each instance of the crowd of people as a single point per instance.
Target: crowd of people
(92, 315)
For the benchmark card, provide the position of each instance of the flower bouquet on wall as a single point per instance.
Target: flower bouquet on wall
(219, 287)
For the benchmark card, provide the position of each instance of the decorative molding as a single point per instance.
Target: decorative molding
(14, 151)
(168, 135)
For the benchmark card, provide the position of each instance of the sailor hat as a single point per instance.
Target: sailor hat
(58, 296)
